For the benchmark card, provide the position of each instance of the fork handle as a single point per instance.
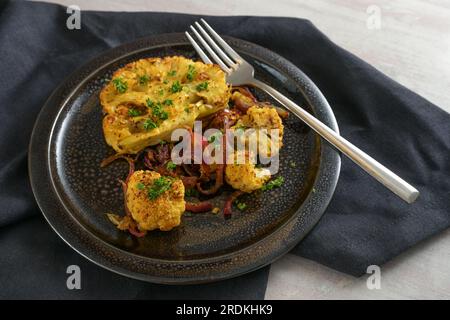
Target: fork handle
(385, 176)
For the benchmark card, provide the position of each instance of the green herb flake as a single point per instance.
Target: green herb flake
(134, 112)
(161, 185)
(191, 193)
(149, 125)
(171, 166)
(240, 129)
(140, 186)
(143, 80)
(241, 206)
(166, 81)
(168, 102)
(120, 85)
(191, 72)
(172, 73)
(215, 138)
(187, 110)
(159, 112)
(161, 92)
(164, 115)
(202, 86)
(176, 87)
(275, 183)
(149, 103)
(292, 164)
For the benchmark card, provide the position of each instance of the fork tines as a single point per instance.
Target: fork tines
(219, 51)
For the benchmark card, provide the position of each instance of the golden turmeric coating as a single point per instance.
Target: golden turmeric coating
(243, 174)
(154, 201)
(147, 99)
(261, 120)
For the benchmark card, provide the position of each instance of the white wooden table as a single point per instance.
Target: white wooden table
(411, 46)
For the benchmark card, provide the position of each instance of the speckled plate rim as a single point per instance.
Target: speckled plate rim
(252, 257)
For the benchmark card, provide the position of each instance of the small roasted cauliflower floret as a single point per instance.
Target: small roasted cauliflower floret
(155, 201)
(243, 175)
(263, 117)
(262, 121)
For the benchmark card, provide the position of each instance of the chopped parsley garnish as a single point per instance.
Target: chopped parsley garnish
(241, 205)
(157, 108)
(191, 193)
(140, 186)
(202, 86)
(162, 142)
(150, 103)
(159, 112)
(161, 92)
(292, 164)
(187, 110)
(134, 112)
(171, 166)
(172, 73)
(191, 72)
(176, 87)
(215, 138)
(163, 115)
(166, 81)
(161, 185)
(144, 79)
(149, 124)
(121, 86)
(275, 183)
(240, 128)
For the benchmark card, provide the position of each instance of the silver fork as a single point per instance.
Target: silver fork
(240, 72)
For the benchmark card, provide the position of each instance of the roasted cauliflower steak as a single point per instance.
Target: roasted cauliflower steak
(147, 99)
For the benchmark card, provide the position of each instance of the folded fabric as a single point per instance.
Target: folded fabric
(364, 224)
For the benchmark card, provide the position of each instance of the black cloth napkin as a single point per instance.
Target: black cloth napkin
(364, 224)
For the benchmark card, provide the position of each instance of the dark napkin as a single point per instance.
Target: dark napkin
(364, 224)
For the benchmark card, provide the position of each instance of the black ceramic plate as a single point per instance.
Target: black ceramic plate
(74, 193)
